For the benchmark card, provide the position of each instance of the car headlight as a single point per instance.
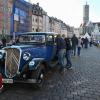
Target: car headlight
(26, 56)
(32, 63)
(1, 55)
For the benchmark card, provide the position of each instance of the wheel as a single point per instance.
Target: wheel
(39, 75)
(53, 63)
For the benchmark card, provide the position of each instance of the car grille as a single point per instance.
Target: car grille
(12, 62)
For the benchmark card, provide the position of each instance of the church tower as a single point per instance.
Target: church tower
(86, 13)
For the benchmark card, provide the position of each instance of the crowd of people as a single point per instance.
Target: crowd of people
(4, 42)
(66, 47)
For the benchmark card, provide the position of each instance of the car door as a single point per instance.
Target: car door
(51, 47)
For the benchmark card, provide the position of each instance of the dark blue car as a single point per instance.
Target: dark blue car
(29, 59)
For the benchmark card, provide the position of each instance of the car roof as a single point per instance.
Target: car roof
(39, 33)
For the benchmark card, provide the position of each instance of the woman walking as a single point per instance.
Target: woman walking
(79, 46)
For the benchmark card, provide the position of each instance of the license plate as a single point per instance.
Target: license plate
(7, 80)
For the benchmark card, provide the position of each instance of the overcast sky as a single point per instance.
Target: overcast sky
(70, 11)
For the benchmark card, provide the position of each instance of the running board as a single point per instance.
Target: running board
(26, 81)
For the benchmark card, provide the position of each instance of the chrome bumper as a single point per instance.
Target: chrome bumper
(7, 81)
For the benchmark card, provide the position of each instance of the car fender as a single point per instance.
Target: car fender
(35, 62)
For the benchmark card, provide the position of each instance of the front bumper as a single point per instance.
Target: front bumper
(10, 81)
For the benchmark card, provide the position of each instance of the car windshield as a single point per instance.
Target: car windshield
(31, 39)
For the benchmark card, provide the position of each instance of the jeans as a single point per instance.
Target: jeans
(74, 50)
(68, 57)
(78, 51)
(62, 58)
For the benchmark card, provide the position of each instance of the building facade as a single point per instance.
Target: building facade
(37, 18)
(18, 16)
(5, 16)
(21, 16)
(64, 29)
(85, 25)
(55, 25)
(46, 22)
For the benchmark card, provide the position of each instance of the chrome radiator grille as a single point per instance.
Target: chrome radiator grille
(11, 61)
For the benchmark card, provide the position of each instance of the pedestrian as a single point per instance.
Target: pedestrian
(91, 42)
(68, 53)
(79, 46)
(1, 44)
(61, 51)
(82, 43)
(74, 43)
(17, 39)
(86, 41)
(4, 41)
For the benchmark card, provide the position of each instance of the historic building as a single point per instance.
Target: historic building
(21, 16)
(37, 18)
(85, 18)
(18, 16)
(86, 13)
(5, 16)
(55, 25)
(46, 26)
(86, 26)
(98, 24)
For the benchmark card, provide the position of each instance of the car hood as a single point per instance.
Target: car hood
(36, 51)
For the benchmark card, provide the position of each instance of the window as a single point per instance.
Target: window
(50, 40)
(40, 21)
(36, 30)
(16, 11)
(36, 20)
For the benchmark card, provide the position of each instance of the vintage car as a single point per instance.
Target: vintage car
(29, 59)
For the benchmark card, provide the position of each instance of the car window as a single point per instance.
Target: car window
(32, 38)
(50, 39)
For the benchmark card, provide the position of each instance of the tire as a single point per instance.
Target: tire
(53, 63)
(39, 75)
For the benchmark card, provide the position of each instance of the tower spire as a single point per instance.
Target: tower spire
(86, 2)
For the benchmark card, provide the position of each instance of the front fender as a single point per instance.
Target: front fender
(34, 63)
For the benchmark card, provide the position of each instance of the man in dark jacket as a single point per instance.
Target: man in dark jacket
(86, 41)
(68, 52)
(61, 49)
(74, 43)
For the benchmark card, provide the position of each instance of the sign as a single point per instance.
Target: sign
(16, 17)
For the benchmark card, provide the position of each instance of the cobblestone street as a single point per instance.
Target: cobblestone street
(80, 83)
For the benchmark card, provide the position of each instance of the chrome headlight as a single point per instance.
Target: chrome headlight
(1, 55)
(2, 52)
(32, 63)
(26, 56)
